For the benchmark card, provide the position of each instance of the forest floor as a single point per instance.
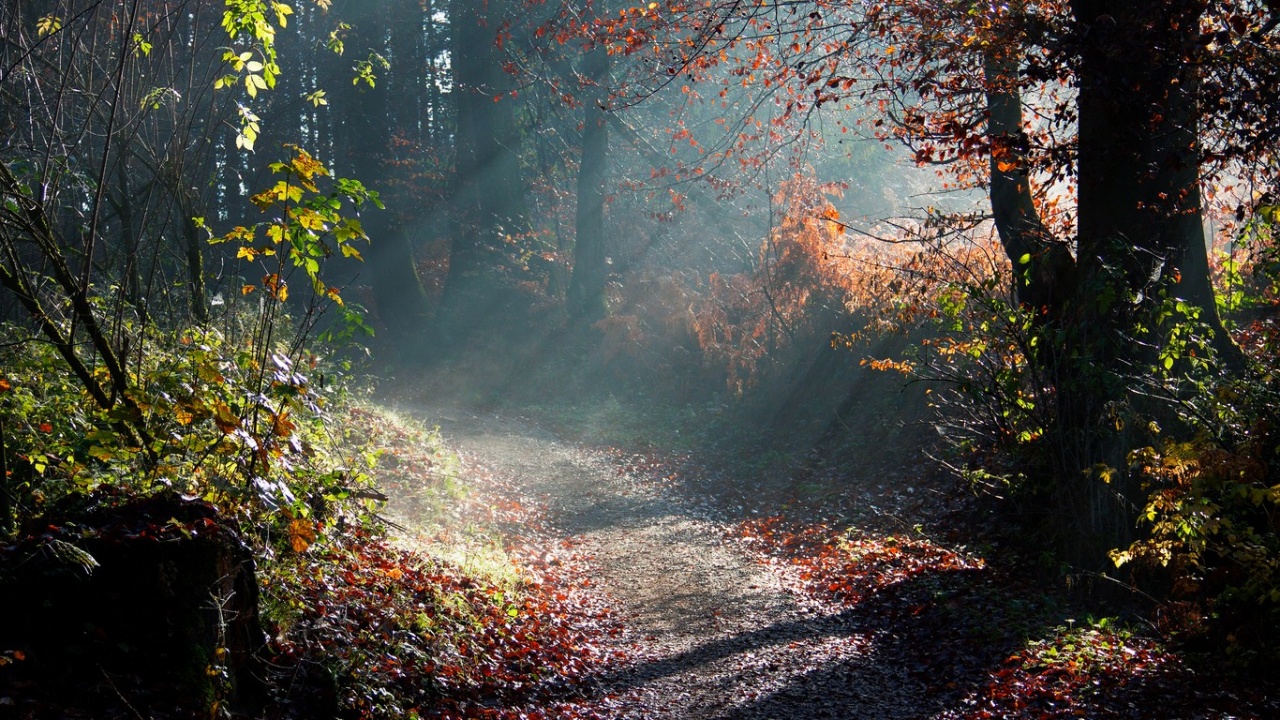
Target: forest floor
(710, 631)
(723, 613)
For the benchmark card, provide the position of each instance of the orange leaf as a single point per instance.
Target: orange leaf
(301, 534)
(226, 420)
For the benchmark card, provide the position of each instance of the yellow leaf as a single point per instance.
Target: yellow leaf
(282, 13)
(48, 25)
(238, 233)
(306, 166)
(349, 229)
(247, 289)
(309, 219)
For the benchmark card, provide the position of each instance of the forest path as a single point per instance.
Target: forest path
(714, 633)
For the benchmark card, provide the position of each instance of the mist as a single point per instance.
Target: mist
(676, 359)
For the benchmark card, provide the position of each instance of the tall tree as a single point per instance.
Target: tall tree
(488, 199)
(586, 300)
(1123, 96)
(382, 42)
(1139, 233)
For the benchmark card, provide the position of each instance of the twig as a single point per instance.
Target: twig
(120, 695)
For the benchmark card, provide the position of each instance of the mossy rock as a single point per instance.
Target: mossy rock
(110, 600)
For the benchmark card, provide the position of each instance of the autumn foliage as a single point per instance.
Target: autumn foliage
(408, 636)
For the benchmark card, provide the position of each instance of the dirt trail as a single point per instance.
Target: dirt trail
(716, 634)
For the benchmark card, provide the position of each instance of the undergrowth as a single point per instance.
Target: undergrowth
(407, 635)
(985, 641)
(443, 617)
(456, 619)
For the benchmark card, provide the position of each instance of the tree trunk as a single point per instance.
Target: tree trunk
(586, 301)
(7, 504)
(390, 268)
(488, 199)
(1140, 207)
(1139, 238)
(1042, 266)
(123, 202)
(193, 250)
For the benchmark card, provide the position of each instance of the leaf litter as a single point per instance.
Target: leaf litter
(471, 609)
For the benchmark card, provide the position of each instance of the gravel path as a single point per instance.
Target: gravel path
(715, 634)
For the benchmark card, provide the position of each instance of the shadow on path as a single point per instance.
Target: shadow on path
(911, 651)
(719, 636)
